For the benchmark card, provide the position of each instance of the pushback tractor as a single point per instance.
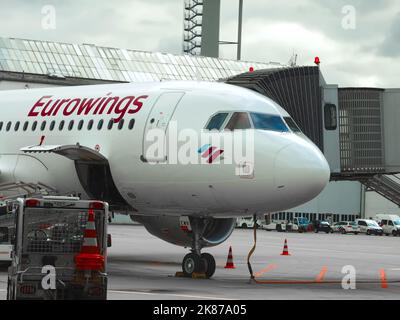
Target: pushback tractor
(60, 250)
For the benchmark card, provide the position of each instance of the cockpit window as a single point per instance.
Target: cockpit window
(239, 121)
(292, 125)
(260, 121)
(217, 121)
(270, 122)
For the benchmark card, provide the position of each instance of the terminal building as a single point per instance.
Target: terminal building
(356, 128)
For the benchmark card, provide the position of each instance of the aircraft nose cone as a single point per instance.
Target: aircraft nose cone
(301, 171)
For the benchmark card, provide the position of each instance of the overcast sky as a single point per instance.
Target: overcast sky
(365, 52)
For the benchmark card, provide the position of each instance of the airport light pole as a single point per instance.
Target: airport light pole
(239, 36)
(239, 42)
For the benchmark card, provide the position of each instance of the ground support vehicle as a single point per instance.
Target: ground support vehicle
(60, 250)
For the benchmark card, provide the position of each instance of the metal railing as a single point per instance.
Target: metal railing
(386, 186)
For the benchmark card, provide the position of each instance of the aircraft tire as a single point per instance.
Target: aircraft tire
(192, 263)
(209, 264)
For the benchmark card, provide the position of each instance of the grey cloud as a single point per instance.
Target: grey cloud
(157, 25)
(136, 24)
(391, 45)
(326, 16)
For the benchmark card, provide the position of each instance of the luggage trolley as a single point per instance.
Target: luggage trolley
(60, 250)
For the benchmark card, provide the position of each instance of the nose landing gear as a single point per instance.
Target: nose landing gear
(194, 263)
(197, 262)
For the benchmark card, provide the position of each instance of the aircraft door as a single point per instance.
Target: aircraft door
(159, 118)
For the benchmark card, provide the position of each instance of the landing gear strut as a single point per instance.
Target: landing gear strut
(197, 262)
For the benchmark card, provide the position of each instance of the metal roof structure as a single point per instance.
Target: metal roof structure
(89, 61)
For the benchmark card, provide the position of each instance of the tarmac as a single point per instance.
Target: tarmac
(320, 266)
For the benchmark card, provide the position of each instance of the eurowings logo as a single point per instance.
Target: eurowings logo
(210, 152)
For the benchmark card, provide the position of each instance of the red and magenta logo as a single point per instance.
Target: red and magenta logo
(210, 152)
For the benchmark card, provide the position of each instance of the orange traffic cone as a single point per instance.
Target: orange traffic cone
(285, 251)
(90, 258)
(229, 261)
(90, 236)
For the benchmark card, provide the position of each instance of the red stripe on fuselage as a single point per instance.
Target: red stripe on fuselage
(208, 152)
(215, 156)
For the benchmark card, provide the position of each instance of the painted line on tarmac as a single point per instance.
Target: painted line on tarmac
(268, 268)
(310, 282)
(384, 284)
(327, 250)
(169, 294)
(321, 275)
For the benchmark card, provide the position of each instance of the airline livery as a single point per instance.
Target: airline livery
(141, 147)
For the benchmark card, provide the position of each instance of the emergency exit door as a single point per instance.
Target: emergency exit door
(155, 150)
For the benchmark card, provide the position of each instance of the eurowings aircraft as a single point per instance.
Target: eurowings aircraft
(93, 141)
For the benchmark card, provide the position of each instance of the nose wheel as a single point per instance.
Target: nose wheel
(194, 263)
(209, 264)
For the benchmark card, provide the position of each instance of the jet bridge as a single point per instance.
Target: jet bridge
(356, 128)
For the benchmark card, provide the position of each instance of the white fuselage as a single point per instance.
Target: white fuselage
(288, 169)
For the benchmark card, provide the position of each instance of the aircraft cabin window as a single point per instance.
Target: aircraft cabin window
(131, 124)
(90, 125)
(239, 121)
(61, 125)
(8, 126)
(110, 124)
(269, 122)
(216, 121)
(80, 125)
(52, 125)
(16, 127)
(120, 124)
(43, 126)
(100, 124)
(1, 125)
(34, 125)
(71, 125)
(292, 125)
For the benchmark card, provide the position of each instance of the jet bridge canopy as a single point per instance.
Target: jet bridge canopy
(364, 119)
(356, 128)
(297, 90)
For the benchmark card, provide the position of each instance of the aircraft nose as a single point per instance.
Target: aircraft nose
(302, 171)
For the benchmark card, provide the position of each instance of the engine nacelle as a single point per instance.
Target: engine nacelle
(168, 229)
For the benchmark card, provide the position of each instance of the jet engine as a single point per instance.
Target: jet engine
(212, 231)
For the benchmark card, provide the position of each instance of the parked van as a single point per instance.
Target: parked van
(369, 227)
(296, 225)
(247, 222)
(390, 223)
